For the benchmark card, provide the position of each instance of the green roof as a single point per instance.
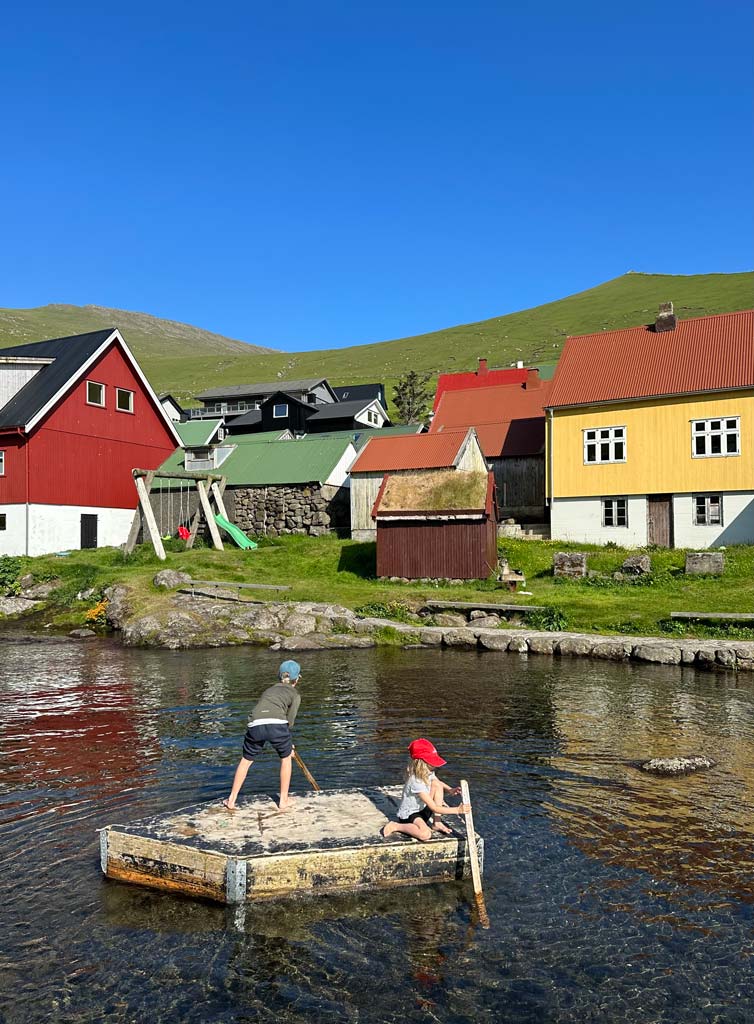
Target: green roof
(360, 435)
(254, 463)
(195, 433)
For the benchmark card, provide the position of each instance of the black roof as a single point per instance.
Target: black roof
(246, 419)
(365, 392)
(69, 355)
(339, 410)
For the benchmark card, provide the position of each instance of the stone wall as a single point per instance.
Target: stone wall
(312, 509)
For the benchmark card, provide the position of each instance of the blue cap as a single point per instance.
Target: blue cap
(290, 668)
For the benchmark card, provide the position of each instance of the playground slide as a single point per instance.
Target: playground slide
(238, 535)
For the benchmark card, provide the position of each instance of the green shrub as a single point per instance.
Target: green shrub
(10, 571)
(396, 610)
(552, 619)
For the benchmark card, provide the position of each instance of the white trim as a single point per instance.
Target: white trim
(2, 461)
(24, 361)
(115, 335)
(280, 415)
(98, 384)
(723, 433)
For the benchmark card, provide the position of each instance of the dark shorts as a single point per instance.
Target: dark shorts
(278, 736)
(425, 814)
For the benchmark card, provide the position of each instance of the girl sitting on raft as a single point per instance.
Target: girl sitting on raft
(422, 802)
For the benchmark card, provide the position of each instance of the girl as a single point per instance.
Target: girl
(422, 801)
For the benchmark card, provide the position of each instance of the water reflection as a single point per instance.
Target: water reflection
(613, 895)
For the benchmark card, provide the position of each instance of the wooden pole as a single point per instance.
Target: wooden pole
(217, 495)
(149, 519)
(209, 515)
(133, 534)
(473, 857)
(309, 777)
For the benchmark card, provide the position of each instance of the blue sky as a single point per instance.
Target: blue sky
(309, 175)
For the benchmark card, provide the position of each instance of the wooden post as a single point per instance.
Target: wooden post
(217, 495)
(133, 534)
(149, 520)
(209, 515)
(473, 857)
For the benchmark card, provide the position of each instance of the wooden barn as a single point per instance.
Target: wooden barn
(437, 525)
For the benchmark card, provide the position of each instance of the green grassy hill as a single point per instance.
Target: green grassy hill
(185, 360)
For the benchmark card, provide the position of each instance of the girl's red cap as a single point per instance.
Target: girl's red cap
(423, 750)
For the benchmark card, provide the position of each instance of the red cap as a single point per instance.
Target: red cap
(423, 750)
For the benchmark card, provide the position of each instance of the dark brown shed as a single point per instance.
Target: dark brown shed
(437, 525)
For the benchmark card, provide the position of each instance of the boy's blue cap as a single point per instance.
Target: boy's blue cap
(290, 668)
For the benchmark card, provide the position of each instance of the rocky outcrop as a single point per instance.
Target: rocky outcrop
(16, 605)
(677, 765)
(171, 579)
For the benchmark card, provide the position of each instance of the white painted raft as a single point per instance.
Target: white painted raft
(327, 842)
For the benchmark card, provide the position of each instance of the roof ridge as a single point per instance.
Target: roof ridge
(647, 327)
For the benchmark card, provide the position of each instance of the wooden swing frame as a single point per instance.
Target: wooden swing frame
(208, 486)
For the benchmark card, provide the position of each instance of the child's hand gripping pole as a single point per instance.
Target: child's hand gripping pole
(309, 777)
(473, 857)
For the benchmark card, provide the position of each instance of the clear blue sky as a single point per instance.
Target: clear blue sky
(316, 174)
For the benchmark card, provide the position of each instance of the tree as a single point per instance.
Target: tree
(412, 396)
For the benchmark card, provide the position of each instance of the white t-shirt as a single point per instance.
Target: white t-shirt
(411, 802)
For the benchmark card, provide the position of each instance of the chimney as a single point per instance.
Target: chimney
(532, 380)
(666, 318)
(482, 368)
(520, 364)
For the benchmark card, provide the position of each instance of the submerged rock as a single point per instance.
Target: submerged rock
(677, 765)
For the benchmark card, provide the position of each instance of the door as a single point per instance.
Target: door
(88, 531)
(660, 520)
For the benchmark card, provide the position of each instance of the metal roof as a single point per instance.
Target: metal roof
(340, 410)
(69, 355)
(509, 418)
(361, 434)
(479, 378)
(709, 353)
(241, 390)
(413, 451)
(197, 432)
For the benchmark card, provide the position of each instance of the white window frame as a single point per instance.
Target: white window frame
(279, 415)
(98, 384)
(613, 502)
(599, 436)
(723, 432)
(124, 391)
(708, 500)
(2, 462)
(3, 521)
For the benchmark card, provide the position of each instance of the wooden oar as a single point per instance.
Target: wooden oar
(310, 778)
(473, 857)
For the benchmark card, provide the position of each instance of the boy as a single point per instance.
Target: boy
(271, 722)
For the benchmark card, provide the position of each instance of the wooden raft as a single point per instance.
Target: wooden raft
(327, 842)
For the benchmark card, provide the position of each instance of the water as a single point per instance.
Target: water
(613, 896)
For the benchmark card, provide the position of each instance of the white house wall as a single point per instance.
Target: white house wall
(472, 458)
(580, 520)
(737, 526)
(339, 476)
(58, 528)
(14, 376)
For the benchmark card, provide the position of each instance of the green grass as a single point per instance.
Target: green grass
(328, 569)
(185, 360)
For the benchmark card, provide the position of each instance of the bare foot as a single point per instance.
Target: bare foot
(228, 805)
(387, 830)
(285, 806)
(440, 826)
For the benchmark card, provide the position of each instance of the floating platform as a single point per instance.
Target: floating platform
(326, 842)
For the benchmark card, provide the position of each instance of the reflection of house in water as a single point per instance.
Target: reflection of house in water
(695, 830)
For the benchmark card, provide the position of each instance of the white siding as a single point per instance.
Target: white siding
(339, 476)
(364, 490)
(13, 376)
(472, 458)
(58, 528)
(580, 520)
(737, 526)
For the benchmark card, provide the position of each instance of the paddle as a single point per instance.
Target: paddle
(473, 857)
(310, 778)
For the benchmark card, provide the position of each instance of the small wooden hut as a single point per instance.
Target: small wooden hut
(437, 525)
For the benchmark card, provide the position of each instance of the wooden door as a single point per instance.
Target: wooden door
(660, 520)
(88, 531)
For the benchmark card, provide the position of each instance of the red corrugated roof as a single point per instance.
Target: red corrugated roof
(509, 419)
(410, 451)
(481, 378)
(708, 353)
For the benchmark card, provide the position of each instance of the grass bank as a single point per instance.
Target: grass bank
(343, 572)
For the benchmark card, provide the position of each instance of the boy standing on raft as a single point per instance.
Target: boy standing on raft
(423, 795)
(271, 722)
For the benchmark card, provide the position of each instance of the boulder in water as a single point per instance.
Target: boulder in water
(677, 765)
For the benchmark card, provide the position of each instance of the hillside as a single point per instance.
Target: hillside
(185, 360)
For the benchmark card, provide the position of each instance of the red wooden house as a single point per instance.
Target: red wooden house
(77, 415)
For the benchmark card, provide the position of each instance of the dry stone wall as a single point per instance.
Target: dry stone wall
(296, 508)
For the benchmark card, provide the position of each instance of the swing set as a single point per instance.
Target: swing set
(209, 487)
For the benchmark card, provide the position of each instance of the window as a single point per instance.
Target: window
(95, 393)
(124, 400)
(3, 521)
(614, 512)
(716, 438)
(708, 510)
(604, 444)
(280, 411)
(2, 463)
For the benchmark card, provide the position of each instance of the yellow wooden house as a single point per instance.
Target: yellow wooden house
(650, 434)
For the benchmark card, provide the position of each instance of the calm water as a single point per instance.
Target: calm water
(613, 896)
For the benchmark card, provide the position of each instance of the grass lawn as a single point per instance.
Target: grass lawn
(332, 570)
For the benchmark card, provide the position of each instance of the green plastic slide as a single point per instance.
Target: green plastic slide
(238, 535)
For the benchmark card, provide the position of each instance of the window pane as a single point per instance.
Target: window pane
(2, 521)
(591, 435)
(715, 510)
(124, 400)
(618, 432)
(715, 425)
(731, 443)
(604, 434)
(591, 453)
(95, 393)
(700, 447)
(730, 424)
(607, 513)
(715, 444)
(618, 451)
(604, 452)
(699, 426)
